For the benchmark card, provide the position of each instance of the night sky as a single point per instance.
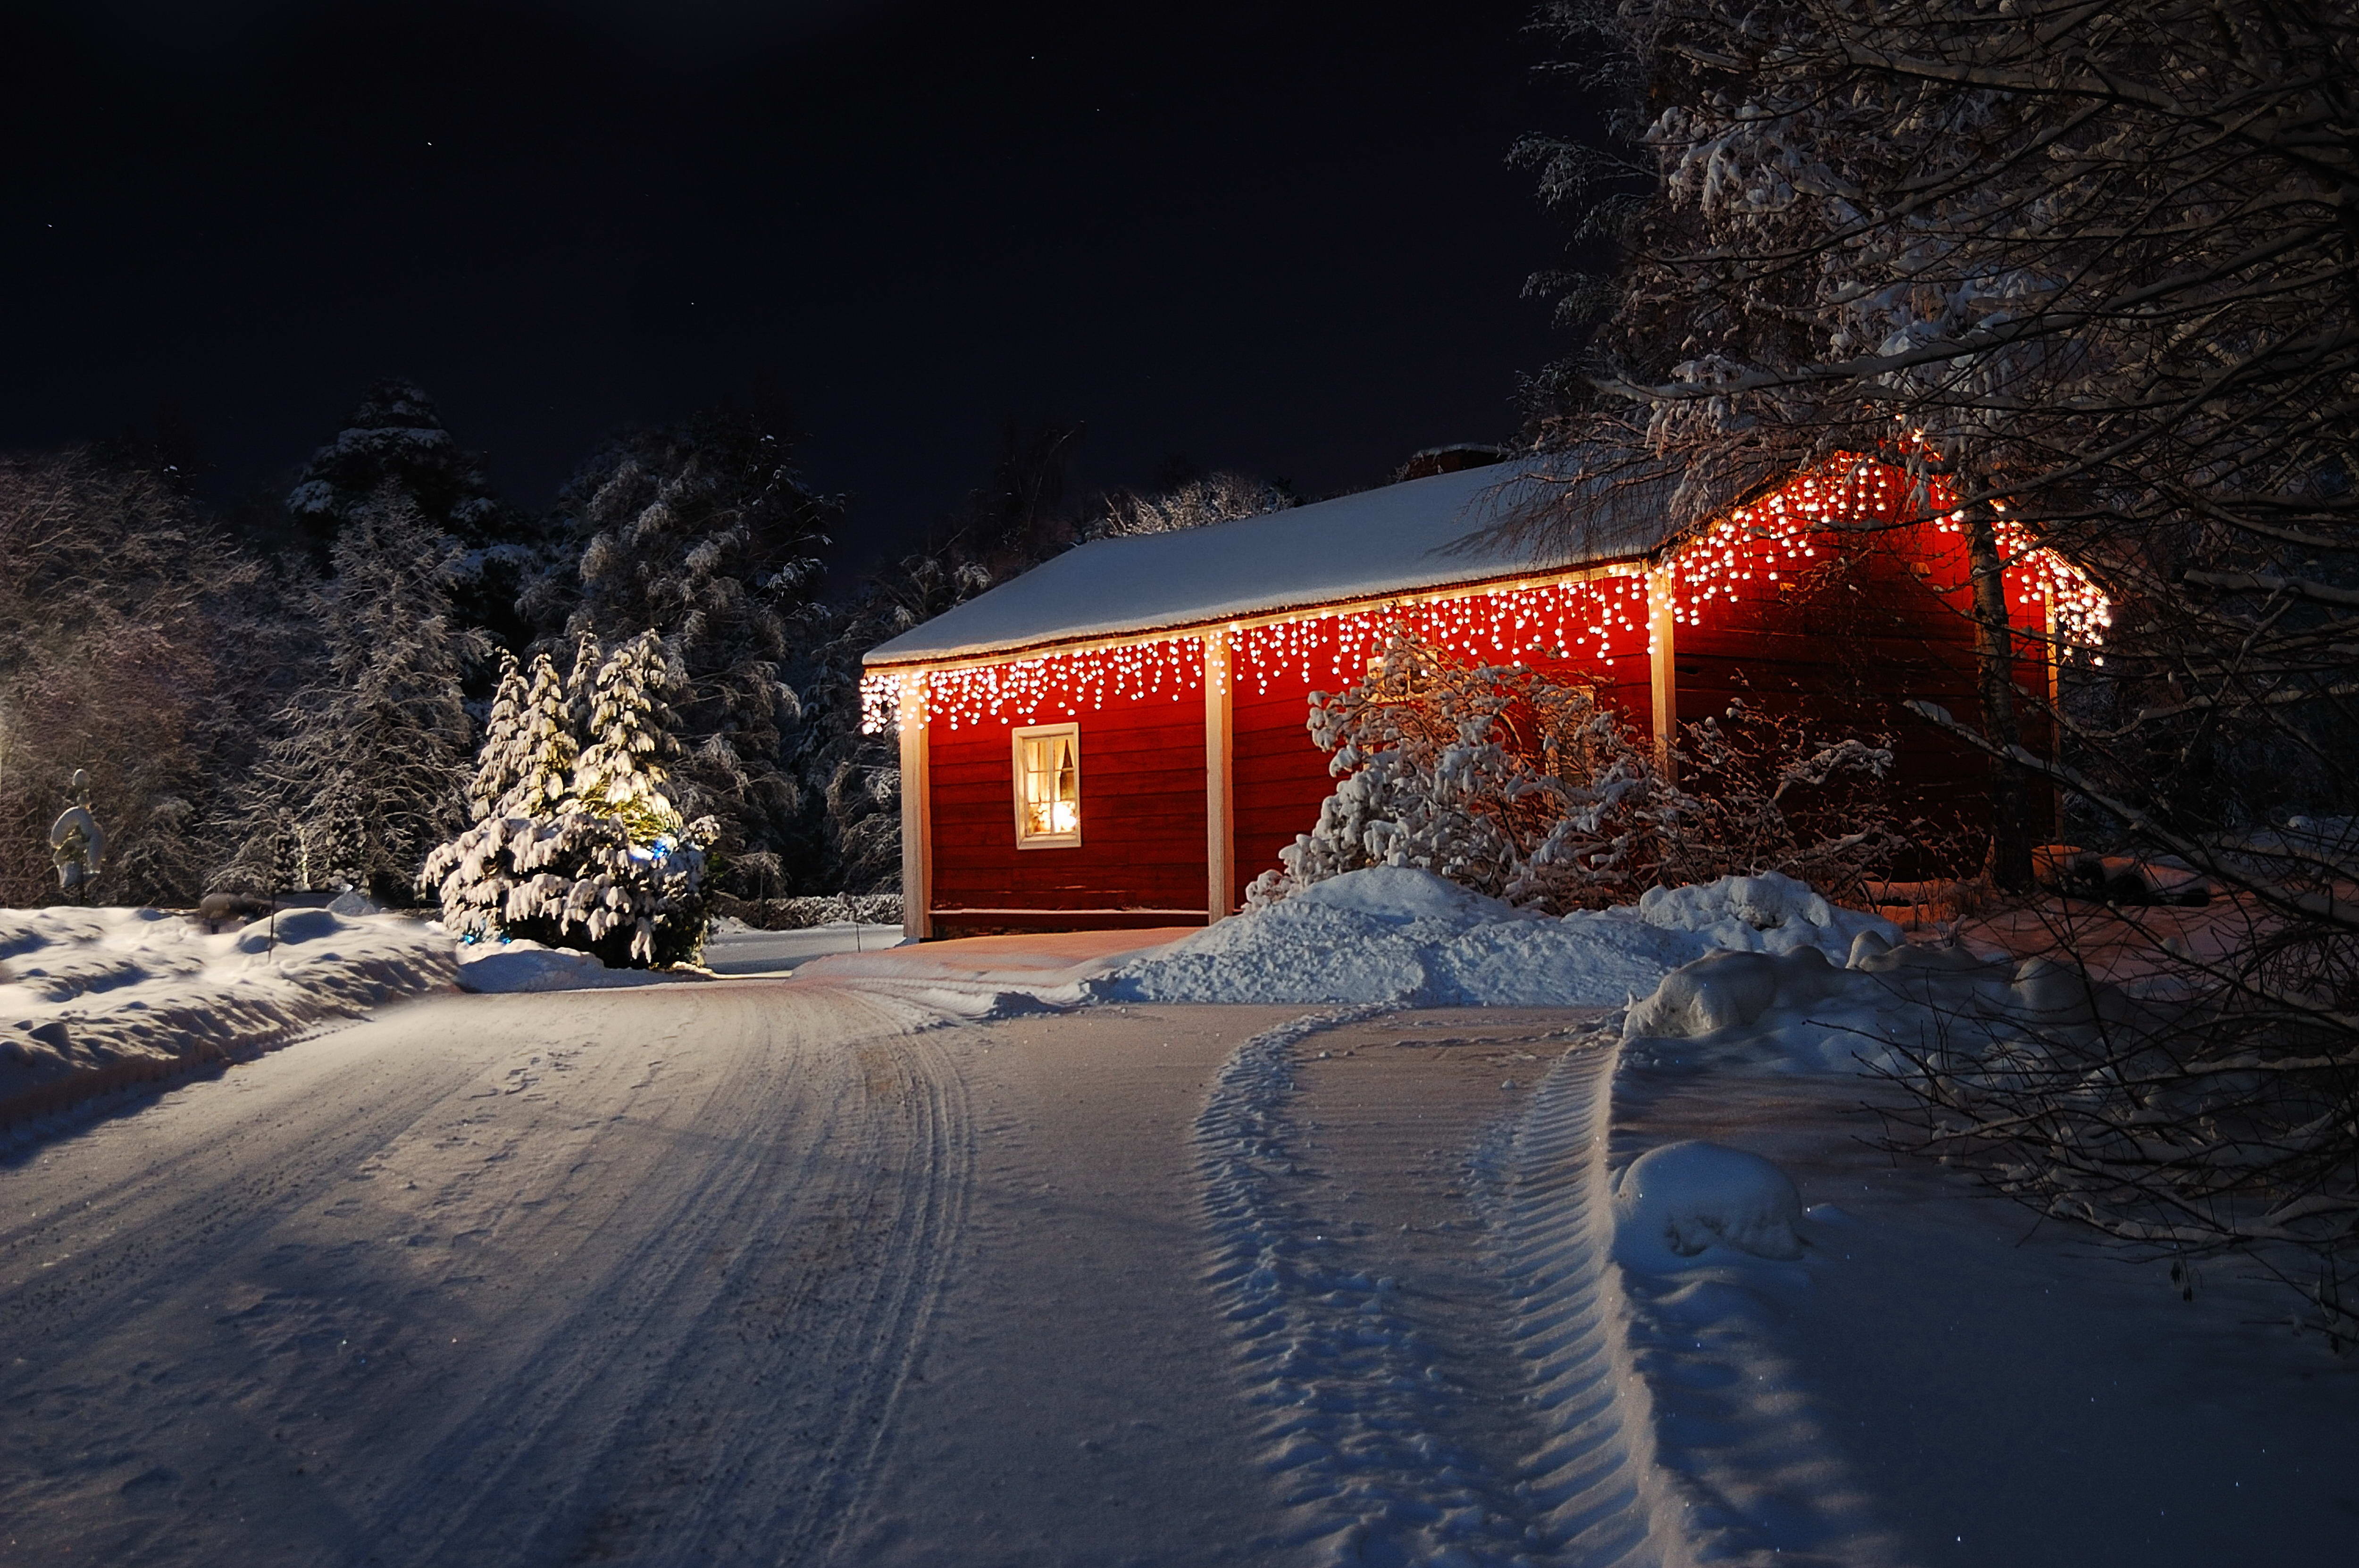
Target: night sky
(1282, 240)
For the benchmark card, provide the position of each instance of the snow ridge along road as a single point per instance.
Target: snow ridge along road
(1380, 1449)
(489, 1280)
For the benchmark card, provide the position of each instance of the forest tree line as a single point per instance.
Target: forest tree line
(289, 693)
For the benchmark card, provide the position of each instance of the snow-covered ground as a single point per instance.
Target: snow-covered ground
(738, 949)
(1408, 938)
(786, 1269)
(93, 998)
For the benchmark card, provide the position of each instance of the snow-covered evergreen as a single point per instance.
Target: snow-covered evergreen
(394, 444)
(369, 768)
(705, 532)
(581, 846)
(496, 765)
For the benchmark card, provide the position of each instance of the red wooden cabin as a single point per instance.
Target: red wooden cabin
(1116, 738)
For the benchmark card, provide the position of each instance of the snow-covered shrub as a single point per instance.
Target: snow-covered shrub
(1763, 792)
(1525, 787)
(1520, 786)
(578, 845)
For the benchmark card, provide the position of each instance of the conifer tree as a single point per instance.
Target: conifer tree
(545, 745)
(369, 769)
(394, 444)
(705, 532)
(495, 772)
(584, 847)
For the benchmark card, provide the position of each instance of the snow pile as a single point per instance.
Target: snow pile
(1675, 1200)
(521, 965)
(1798, 1010)
(1768, 914)
(93, 998)
(1404, 936)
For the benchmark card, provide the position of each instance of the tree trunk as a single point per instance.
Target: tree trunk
(2010, 857)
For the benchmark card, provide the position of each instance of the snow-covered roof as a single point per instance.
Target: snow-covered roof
(1402, 538)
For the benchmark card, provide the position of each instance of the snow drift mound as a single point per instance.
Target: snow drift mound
(1675, 1201)
(92, 999)
(1400, 936)
(1886, 1003)
(517, 965)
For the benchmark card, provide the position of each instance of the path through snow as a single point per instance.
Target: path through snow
(500, 1280)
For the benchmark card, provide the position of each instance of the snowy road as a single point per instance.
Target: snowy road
(775, 1272)
(626, 1275)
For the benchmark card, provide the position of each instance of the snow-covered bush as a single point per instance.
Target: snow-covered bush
(1763, 792)
(578, 845)
(1520, 786)
(1525, 787)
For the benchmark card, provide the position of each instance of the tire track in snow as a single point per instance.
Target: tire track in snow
(1593, 1480)
(834, 1237)
(1360, 1436)
(650, 1295)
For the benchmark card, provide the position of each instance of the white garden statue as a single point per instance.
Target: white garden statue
(77, 843)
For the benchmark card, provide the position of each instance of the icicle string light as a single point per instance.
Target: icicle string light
(1554, 620)
(1593, 621)
(2039, 579)
(1784, 530)
(1590, 620)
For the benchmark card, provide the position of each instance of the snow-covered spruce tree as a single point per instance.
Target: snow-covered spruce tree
(523, 786)
(368, 769)
(615, 870)
(395, 445)
(705, 532)
(497, 766)
(2092, 263)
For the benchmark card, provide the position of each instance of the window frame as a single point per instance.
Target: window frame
(1025, 838)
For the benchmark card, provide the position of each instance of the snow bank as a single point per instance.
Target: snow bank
(1675, 1201)
(93, 998)
(1769, 914)
(520, 966)
(1408, 938)
(1800, 1012)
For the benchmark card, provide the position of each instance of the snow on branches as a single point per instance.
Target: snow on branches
(1526, 786)
(575, 842)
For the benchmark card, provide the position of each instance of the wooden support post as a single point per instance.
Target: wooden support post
(1662, 647)
(1219, 794)
(917, 814)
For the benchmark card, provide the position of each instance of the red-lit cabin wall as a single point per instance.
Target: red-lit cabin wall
(1141, 859)
(1278, 777)
(1843, 639)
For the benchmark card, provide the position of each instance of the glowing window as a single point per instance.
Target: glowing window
(1048, 786)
